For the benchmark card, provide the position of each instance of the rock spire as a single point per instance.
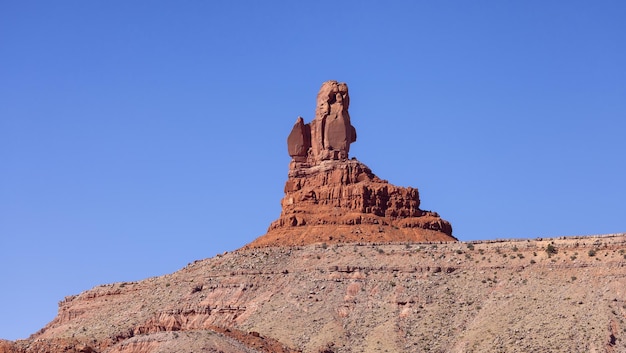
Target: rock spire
(330, 134)
(330, 198)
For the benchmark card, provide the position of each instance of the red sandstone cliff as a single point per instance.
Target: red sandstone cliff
(330, 198)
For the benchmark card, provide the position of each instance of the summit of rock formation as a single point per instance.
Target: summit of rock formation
(331, 198)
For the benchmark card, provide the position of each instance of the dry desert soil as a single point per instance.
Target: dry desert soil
(534, 295)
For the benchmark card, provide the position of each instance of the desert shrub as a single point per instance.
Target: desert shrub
(592, 252)
(551, 249)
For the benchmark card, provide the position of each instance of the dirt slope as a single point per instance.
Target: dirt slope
(554, 295)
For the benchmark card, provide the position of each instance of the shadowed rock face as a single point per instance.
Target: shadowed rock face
(299, 140)
(326, 193)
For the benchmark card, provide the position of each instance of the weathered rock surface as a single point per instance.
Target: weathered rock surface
(330, 134)
(330, 198)
(541, 295)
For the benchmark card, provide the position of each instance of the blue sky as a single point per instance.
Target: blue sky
(138, 136)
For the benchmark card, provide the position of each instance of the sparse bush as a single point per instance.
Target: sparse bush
(470, 246)
(592, 252)
(515, 249)
(551, 249)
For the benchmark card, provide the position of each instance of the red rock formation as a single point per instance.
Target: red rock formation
(330, 134)
(329, 198)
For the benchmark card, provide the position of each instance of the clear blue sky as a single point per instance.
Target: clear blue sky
(138, 136)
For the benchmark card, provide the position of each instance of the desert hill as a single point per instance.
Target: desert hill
(541, 295)
(353, 264)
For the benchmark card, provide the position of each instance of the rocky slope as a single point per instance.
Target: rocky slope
(541, 295)
(354, 265)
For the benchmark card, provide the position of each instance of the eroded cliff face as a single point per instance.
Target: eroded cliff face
(331, 198)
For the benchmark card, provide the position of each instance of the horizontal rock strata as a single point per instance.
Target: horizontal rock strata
(330, 198)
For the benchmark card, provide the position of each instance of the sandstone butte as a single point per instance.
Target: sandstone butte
(354, 265)
(330, 198)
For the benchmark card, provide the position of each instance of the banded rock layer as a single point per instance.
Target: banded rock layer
(330, 198)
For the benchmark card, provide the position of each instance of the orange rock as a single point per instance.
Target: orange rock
(329, 198)
(330, 134)
(299, 140)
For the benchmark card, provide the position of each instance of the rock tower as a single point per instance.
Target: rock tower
(330, 198)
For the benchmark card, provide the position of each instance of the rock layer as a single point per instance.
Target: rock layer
(330, 198)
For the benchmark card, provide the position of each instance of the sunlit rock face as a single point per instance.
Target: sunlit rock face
(330, 198)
